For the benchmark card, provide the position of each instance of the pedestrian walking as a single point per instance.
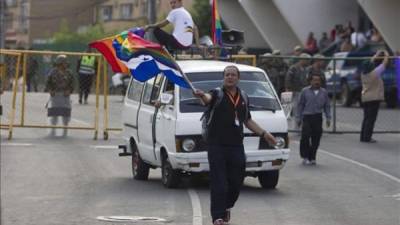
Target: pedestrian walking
(313, 102)
(372, 92)
(60, 86)
(184, 28)
(87, 68)
(225, 142)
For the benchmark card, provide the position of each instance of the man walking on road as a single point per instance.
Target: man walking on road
(313, 102)
(225, 142)
(184, 28)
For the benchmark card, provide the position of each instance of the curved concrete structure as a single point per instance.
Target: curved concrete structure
(385, 16)
(317, 15)
(236, 18)
(271, 24)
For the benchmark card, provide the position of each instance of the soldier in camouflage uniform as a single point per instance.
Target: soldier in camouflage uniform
(317, 68)
(296, 79)
(60, 86)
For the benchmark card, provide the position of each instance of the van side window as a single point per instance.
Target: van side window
(152, 90)
(135, 90)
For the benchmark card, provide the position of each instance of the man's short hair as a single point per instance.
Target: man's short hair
(231, 66)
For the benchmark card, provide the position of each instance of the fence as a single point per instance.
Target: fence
(342, 76)
(25, 98)
(10, 64)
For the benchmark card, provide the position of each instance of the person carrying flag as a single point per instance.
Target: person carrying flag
(225, 143)
(184, 28)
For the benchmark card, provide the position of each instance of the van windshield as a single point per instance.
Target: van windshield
(259, 90)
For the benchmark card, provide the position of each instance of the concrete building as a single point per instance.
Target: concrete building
(32, 21)
(117, 15)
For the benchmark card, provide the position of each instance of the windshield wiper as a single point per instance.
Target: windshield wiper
(262, 107)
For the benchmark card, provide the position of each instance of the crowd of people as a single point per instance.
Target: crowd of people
(342, 39)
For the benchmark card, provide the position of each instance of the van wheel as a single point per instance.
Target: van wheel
(170, 177)
(140, 169)
(268, 179)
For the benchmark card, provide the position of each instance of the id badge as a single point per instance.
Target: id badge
(237, 122)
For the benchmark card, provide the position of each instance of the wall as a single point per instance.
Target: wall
(385, 15)
(317, 15)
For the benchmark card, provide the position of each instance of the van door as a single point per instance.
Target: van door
(166, 119)
(131, 108)
(147, 114)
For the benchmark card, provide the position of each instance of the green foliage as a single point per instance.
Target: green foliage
(65, 39)
(201, 13)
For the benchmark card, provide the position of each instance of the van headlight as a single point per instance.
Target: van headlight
(188, 144)
(280, 143)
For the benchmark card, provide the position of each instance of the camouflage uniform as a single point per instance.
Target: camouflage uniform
(296, 78)
(295, 81)
(60, 86)
(320, 72)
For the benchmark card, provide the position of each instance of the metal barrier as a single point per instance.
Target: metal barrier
(9, 80)
(343, 82)
(30, 77)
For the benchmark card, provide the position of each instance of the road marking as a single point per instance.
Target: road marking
(130, 219)
(104, 146)
(396, 196)
(81, 122)
(365, 166)
(196, 206)
(17, 144)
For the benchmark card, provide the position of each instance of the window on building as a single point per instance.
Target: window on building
(23, 20)
(107, 13)
(9, 20)
(126, 11)
(11, 3)
(144, 8)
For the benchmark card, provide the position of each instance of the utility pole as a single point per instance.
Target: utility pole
(151, 15)
(2, 23)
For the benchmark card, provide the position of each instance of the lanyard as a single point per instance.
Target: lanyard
(234, 101)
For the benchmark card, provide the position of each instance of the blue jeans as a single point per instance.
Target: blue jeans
(227, 172)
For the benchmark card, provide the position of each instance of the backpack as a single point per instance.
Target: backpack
(208, 114)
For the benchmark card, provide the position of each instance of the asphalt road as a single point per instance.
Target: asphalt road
(77, 180)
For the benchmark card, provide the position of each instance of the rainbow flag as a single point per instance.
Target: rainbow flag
(105, 47)
(216, 31)
(142, 58)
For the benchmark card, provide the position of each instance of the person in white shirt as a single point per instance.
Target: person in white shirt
(358, 39)
(184, 28)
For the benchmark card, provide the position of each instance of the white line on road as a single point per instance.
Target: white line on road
(196, 206)
(104, 146)
(362, 165)
(17, 144)
(365, 166)
(80, 121)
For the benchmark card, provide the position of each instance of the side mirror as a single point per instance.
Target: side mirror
(166, 98)
(286, 97)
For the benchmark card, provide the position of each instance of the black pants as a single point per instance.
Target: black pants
(311, 133)
(167, 40)
(370, 113)
(227, 170)
(85, 83)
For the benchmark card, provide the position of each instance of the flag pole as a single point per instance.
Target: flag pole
(180, 70)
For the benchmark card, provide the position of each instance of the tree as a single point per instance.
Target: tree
(201, 13)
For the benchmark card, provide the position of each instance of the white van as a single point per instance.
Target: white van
(169, 136)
